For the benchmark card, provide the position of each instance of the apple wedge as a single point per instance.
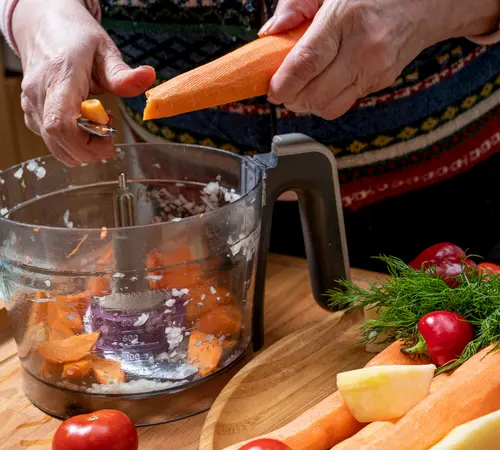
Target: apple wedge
(478, 434)
(384, 392)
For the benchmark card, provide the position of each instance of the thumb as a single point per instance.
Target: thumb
(116, 77)
(290, 14)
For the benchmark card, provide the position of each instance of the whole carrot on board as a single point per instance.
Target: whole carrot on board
(244, 73)
(329, 422)
(473, 391)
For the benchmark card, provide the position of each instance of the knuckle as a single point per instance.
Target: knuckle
(54, 125)
(26, 105)
(307, 63)
(29, 86)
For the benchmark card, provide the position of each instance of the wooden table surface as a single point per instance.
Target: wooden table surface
(289, 306)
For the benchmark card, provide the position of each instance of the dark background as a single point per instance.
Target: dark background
(464, 210)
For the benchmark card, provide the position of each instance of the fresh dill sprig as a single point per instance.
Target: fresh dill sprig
(408, 294)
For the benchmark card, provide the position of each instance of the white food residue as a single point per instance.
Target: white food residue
(174, 336)
(141, 320)
(19, 173)
(154, 277)
(170, 303)
(212, 290)
(118, 275)
(47, 283)
(66, 219)
(179, 293)
(36, 169)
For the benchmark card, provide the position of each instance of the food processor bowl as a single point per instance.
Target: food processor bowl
(152, 319)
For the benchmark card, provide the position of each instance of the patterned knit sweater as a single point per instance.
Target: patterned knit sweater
(439, 118)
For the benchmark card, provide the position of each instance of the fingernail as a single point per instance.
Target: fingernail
(272, 100)
(267, 26)
(146, 67)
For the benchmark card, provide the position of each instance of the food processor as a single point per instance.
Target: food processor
(137, 283)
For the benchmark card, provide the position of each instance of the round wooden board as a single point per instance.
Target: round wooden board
(283, 381)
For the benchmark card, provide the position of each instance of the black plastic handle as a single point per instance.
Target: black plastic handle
(301, 164)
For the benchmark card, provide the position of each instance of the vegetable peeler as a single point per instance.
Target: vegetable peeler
(95, 129)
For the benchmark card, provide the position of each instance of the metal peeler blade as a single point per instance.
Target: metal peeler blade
(95, 129)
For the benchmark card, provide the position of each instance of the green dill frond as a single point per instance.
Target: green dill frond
(408, 294)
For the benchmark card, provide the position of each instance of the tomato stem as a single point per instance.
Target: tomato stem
(420, 348)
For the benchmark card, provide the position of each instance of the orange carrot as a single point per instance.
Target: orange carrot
(32, 338)
(472, 391)
(99, 286)
(330, 422)
(59, 330)
(50, 369)
(68, 350)
(204, 351)
(93, 110)
(77, 370)
(241, 74)
(205, 298)
(107, 371)
(223, 320)
(375, 429)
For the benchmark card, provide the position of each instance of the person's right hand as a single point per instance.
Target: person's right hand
(66, 55)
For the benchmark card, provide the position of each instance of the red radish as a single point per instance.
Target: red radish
(443, 336)
(448, 259)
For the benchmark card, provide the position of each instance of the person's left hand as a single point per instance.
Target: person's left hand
(357, 47)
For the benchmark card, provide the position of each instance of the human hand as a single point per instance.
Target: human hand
(66, 55)
(357, 47)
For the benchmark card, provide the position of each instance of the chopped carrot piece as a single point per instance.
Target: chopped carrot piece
(93, 110)
(32, 339)
(59, 330)
(107, 371)
(204, 352)
(77, 369)
(68, 350)
(50, 369)
(99, 286)
(223, 320)
(205, 298)
(239, 75)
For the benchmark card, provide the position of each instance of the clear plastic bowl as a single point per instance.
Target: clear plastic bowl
(140, 310)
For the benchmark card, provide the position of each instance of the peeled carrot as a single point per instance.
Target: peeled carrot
(223, 320)
(472, 391)
(93, 110)
(68, 350)
(50, 369)
(99, 286)
(204, 351)
(77, 370)
(59, 330)
(107, 371)
(330, 422)
(239, 75)
(205, 298)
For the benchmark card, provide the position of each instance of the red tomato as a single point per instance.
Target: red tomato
(265, 444)
(102, 430)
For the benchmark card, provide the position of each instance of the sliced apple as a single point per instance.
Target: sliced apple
(478, 434)
(384, 392)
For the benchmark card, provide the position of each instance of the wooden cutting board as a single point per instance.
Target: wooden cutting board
(283, 381)
(289, 307)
